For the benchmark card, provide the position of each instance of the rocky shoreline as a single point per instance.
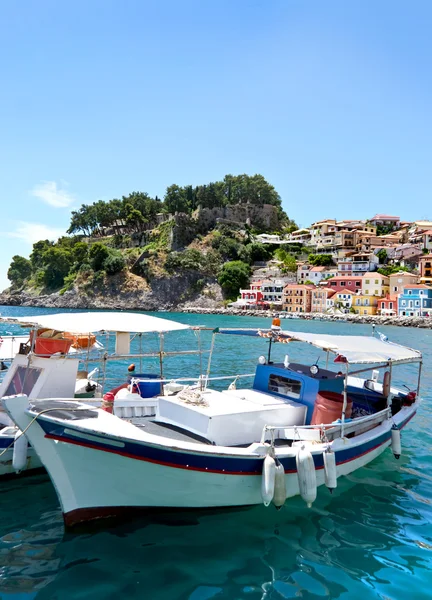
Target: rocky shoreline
(201, 305)
(422, 322)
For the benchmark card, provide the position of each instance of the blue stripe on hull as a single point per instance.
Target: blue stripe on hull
(200, 462)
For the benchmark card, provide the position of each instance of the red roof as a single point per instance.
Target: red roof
(388, 217)
(417, 286)
(318, 269)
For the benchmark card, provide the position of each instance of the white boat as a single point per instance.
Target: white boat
(206, 448)
(60, 374)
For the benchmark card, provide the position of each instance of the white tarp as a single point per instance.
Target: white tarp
(94, 322)
(358, 349)
(354, 349)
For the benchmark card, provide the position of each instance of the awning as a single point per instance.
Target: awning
(96, 322)
(353, 349)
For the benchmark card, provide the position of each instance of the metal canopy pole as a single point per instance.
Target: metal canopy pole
(419, 378)
(161, 347)
(210, 359)
(390, 381)
(269, 351)
(345, 401)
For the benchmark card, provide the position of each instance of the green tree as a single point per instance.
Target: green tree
(114, 262)
(233, 276)
(382, 256)
(175, 199)
(134, 218)
(20, 269)
(56, 265)
(258, 251)
(97, 254)
(39, 249)
(287, 259)
(321, 260)
(80, 252)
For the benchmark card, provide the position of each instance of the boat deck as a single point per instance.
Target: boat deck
(149, 425)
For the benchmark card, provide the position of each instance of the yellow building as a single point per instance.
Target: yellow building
(375, 284)
(364, 304)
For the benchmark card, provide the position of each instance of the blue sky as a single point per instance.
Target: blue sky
(330, 101)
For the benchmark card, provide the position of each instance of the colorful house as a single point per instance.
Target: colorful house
(398, 281)
(345, 284)
(308, 272)
(387, 220)
(388, 306)
(253, 295)
(425, 267)
(364, 305)
(297, 298)
(320, 299)
(415, 301)
(375, 284)
(343, 300)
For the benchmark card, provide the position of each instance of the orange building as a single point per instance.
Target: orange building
(297, 298)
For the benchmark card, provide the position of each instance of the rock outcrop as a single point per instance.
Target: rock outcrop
(128, 292)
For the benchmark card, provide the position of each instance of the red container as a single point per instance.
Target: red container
(50, 346)
(328, 408)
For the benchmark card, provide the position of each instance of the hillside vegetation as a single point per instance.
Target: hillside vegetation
(137, 236)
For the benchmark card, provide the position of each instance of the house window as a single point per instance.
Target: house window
(358, 302)
(410, 292)
(395, 289)
(391, 305)
(417, 302)
(367, 292)
(367, 281)
(358, 284)
(376, 293)
(342, 283)
(376, 281)
(365, 312)
(403, 303)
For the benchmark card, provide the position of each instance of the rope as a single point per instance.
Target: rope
(191, 396)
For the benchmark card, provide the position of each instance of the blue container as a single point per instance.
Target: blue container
(149, 386)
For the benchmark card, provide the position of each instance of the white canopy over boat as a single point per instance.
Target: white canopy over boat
(96, 322)
(353, 349)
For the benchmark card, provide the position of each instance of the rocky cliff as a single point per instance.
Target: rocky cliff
(126, 291)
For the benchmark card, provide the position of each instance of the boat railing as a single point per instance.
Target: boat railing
(330, 431)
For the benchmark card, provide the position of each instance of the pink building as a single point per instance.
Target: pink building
(345, 284)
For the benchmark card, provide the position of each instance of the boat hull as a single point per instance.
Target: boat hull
(96, 475)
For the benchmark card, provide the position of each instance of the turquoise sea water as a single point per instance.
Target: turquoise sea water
(371, 539)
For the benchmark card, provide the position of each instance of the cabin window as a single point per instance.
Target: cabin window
(285, 386)
(23, 381)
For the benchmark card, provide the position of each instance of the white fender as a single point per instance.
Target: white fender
(330, 473)
(19, 459)
(280, 493)
(396, 441)
(268, 479)
(306, 476)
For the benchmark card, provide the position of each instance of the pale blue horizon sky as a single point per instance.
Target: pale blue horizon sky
(330, 101)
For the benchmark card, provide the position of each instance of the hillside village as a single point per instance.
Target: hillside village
(382, 266)
(227, 244)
